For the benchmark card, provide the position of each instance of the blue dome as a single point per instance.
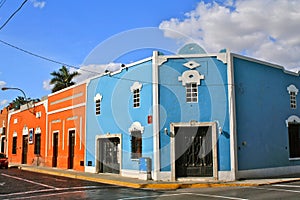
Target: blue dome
(191, 48)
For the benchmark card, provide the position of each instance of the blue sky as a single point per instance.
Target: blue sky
(76, 32)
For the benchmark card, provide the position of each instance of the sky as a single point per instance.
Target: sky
(93, 35)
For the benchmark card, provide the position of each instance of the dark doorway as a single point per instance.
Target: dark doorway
(71, 149)
(2, 144)
(24, 149)
(109, 158)
(193, 152)
(55, 149)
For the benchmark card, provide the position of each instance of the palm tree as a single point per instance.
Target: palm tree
(62, 79)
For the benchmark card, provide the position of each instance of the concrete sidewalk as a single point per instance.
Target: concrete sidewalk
(115, 179)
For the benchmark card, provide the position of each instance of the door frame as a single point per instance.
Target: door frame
(24, 150)
(54, 148)
(97, 154)
(71, 159)
(213, 126)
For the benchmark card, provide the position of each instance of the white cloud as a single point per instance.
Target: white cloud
(4, 102)
(2, 84)
(46, 85)
(267, 30)
(38, 4)
(89, 71)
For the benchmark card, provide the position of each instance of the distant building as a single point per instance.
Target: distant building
(215, 116)
(3, 129)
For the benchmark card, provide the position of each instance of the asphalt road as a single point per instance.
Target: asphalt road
(18, 184)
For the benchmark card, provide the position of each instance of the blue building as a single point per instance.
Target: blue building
(194, 115)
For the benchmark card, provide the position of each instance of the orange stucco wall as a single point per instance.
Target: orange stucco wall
(19, 122)
(66, 113)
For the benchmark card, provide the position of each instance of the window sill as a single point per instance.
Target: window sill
(292, 159)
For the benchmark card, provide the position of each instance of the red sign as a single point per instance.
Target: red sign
(149, 119)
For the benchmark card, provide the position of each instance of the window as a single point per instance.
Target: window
(37, 144)
(191, 93)
(191, 79)
(14, 145)
(98, 109)
(97, 100)
(136, 90)
(293, 100)
(294, 140)
(136, 144)
(136, 98)
(293, 91)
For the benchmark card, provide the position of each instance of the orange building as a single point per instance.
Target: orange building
(3, 128)
(66, 128)
(26, 134)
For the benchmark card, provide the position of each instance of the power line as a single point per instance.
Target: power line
(85, 70)
(12, 14)
(2, 3)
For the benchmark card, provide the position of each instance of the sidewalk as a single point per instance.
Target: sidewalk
(115, 179)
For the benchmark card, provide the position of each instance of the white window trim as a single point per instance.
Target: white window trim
(136, 126)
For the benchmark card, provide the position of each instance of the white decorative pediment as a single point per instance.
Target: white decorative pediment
(292, 119)
(25, 130)
(98, 97)
(38, 130)
(191, 64)
(191, 76)
(292, 88)
(135, 86)
(136, 126)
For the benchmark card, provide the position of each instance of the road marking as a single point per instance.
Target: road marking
(56, 189)
(281, 185)
(195, 194)
(48, 195)
(2, 183)
(279, 190)
(29, 181)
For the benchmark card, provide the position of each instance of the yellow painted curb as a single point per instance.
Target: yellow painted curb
(155, 186)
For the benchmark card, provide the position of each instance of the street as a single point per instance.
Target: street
(18, 184)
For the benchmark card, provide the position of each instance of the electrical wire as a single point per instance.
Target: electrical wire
(89, 71)
(2, 3)
(12, 15)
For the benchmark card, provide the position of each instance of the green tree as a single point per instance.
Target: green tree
(62, 79)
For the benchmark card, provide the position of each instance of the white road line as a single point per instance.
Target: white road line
(274, 189)
(28, 192)
(48, 195)
(193, 194)
(29, 181)
(291, 186)
(56, 189)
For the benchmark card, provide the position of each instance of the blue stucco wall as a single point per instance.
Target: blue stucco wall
(262, 106)
(117, 112)
(212, 103)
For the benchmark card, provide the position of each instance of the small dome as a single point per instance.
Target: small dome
(191, 48)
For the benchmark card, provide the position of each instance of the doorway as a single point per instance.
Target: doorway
(109, 155)
(71, 149)
(2, 144)
(24, 149)
(194, 152)
(55, 149)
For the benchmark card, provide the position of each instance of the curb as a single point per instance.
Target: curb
(157, 186)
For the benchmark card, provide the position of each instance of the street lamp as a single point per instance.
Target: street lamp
(14, 88)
